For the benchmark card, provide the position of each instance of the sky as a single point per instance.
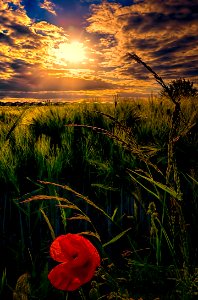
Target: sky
(76, 49)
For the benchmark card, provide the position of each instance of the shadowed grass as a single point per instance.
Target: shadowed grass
(118, 157)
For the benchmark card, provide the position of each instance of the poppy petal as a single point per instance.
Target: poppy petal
(62, 278)
(62, 249)
(87, 261)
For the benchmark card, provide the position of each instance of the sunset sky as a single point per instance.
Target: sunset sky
(75, 49)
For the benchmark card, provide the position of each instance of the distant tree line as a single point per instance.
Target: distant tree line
(36, 103)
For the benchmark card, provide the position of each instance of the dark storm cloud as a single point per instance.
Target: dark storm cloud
(139, 43)
(76, 84)
(15, 84)
(18, 65)
(3, 66)
(21, 30)
(24, 76)
(161, 15)
(4, 38)
(135, 71)
(185, 43)
(35, 82)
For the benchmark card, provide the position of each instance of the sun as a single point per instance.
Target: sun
(73, 52)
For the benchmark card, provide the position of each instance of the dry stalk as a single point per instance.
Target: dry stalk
(172, 174)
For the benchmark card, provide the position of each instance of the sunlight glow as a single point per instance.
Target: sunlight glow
(73, 52)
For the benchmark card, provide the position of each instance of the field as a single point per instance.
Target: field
(125, 174)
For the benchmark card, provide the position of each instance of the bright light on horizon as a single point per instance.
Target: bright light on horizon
(73, 52)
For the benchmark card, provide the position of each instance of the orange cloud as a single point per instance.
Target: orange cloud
(163, 33)
(49, 6)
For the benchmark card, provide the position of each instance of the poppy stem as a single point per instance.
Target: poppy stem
(66, 295)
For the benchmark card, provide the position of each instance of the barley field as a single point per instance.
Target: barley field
(124, 174)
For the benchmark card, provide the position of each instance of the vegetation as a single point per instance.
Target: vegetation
(180, 88)
(124, 175)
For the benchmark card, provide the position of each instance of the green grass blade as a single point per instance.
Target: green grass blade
(160, 185)
(114, 213)
(15, 125)
(3, 281)
(116, 238)
(152, 193)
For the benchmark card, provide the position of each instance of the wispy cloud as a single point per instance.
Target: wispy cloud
(49, 6)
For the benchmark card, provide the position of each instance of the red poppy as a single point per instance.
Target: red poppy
(79, 260)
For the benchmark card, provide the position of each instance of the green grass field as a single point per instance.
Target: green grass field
(127, 175)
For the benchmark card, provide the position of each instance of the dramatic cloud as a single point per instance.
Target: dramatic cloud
(163, 33)
(29, 56)
(33, 35)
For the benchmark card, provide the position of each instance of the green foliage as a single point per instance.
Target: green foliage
(102, 170)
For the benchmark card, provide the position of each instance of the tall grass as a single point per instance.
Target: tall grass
(122, 174)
